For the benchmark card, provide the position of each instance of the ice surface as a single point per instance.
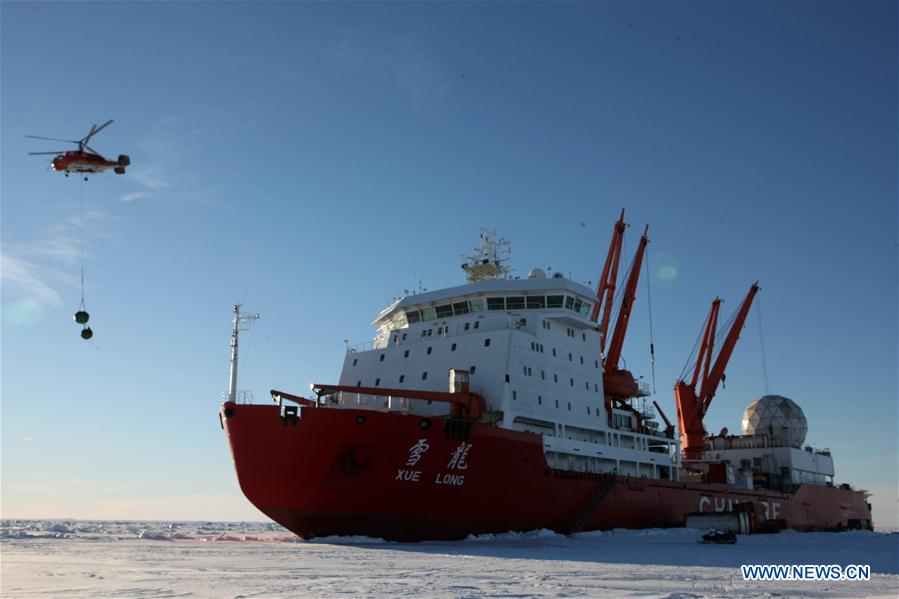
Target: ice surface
(216, 559)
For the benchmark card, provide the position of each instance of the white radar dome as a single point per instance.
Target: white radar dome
(777, 416)
(536, 273)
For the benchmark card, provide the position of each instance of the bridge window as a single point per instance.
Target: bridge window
(569, 302)
(554, 301)
(428, 314)
(515, 303)
(444, 311)
(460, 308)
(476, 305)
(413, 316)
(536, 302)
(496, 303)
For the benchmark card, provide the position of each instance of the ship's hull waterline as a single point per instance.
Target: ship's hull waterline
(329, 471)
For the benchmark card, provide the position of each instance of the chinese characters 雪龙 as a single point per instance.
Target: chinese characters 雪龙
(416, 451)
(457, 461)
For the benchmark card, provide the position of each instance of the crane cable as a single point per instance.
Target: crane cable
(82, 245)
(652, 349)
(758, 312)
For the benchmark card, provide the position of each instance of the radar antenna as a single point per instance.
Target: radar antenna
(490, 259)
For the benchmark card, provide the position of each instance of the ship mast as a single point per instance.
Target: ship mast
(240, 323)
(490, 259)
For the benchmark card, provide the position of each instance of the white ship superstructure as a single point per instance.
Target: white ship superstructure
(529, 346)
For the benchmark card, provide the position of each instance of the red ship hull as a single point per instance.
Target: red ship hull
(333, 471)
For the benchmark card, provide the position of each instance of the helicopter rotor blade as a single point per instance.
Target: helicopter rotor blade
(71, 141)
(94, 130)
(90, 149)
(42, 153)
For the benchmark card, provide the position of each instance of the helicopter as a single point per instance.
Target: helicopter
(85, 159)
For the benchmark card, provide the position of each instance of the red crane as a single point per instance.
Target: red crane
(617, 382)
(692, 408)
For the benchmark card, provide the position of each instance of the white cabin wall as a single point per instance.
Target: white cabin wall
(555, 382)
(540, 384)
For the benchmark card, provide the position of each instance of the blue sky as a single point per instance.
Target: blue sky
(315, 160)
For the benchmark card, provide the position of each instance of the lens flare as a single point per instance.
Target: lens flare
(667, 272)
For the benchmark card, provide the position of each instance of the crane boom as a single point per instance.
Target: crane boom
(692, 408)
(710, 384)
(627, 304)
(618, 383)
(605, 292)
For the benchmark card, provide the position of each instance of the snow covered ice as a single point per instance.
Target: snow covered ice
(215, 559)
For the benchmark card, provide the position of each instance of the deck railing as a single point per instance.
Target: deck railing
(363, 401)
(240, 396)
